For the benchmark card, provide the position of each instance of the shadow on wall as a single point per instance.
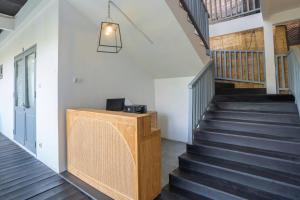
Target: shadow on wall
(163, 124)
(0, 124)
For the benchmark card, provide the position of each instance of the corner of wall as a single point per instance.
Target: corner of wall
(189, 30)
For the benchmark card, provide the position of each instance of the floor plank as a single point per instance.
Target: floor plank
(23, 177)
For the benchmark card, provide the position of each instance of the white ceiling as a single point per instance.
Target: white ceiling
(271, 7)
(171, 55)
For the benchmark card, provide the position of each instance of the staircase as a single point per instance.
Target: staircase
(247, 147)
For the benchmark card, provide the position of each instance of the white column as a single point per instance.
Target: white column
(270, 58)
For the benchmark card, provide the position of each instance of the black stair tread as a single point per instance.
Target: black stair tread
(255, 122)
(224, 185)
(249, 134)
(245, 168)
(268, 113)
(256, 103)
(279, 107)
(174, 193)
(274, 154)
(259, 112)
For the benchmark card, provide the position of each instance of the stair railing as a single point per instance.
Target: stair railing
(239, 65)
(222, 10)
(198, 15)
(201, 93)
(294, 74)
(281, 64)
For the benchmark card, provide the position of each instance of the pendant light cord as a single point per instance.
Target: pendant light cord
(110, 2)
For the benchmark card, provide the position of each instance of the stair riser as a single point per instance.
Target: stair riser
(251, 159)
(260, 98)
(289, 119)
(203, 190)
(284, 108)
(283, 131)
(237, 91)
(257, 182)
(273, 145)
(220, 85)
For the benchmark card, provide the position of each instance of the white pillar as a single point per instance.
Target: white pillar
(270, 58)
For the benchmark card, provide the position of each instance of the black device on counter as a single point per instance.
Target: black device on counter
(135, 109)
(115, 104)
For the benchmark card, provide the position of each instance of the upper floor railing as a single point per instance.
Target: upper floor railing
(221, 10)
(198, 15)
(239, 65)
(282, 79)
(294, 75)
(201, 93)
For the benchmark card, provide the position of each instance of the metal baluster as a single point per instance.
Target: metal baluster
(221, 68)
(248, 5)
(241, 66)
(225, 64)
(277, 75)
(236, 65)
(220, 7)
(216, 10)
(200, 99)
(226, 14)
(211, 10)
(236, 7)
(231, 9)
(282, 71)
(216, 64)
(230, 65)
(198, 104)
(252, 55)
(258, 66)
(194, 104)
(247, 68)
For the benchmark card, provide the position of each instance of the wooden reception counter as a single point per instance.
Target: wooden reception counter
(115, 152)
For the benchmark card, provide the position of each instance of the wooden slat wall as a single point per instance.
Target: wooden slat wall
(250, 40)
(281, 45)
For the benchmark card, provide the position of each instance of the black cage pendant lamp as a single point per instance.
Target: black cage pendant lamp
(110, 39)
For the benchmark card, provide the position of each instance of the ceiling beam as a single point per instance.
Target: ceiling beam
(7, 22)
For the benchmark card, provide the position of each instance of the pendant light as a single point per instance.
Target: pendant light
(110, 39)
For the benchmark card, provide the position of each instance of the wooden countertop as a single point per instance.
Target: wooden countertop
(124, 114)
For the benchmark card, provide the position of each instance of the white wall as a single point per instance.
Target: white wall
(171, 100)
(193, 39)
(285, 16)
(100, 75)
(66, 39)
(171, 55)
(236, 25)
(41, 30)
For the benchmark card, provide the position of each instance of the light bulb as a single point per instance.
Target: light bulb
(108, 30)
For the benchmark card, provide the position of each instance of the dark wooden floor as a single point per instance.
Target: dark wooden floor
(24, 177)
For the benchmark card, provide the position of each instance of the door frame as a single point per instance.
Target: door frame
(30, 50)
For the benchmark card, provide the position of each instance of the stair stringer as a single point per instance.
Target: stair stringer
(182, 18)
